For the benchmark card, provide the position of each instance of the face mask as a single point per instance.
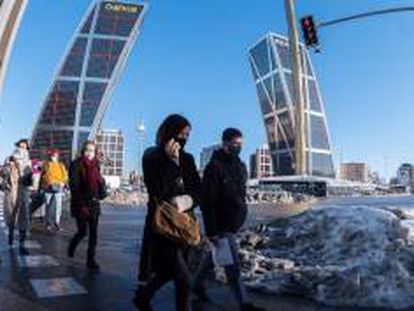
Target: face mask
(54, 159)
(234, 149)
(90, 155)
(181, 141)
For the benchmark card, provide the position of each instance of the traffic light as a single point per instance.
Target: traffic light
(310, 34)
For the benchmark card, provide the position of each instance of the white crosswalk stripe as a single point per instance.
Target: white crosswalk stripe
(55, 287)
(37, 261)
(43, 287)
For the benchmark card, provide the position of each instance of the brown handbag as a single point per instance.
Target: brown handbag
(180, 228)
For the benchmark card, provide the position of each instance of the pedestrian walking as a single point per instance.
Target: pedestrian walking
(53, 180)
(224, 207)
(11, 177)
(37, 197)
(18, 209)
(170, 175)
(87, 188)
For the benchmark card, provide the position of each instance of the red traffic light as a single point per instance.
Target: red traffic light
(309, 30)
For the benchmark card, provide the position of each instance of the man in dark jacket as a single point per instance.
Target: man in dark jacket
(224, 206)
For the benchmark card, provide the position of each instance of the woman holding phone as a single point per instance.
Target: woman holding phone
(170, 174)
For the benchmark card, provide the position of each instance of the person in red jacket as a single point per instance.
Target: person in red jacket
(87, 188)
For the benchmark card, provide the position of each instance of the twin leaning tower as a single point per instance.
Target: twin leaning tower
(87, 75)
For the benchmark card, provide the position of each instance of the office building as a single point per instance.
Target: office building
(205, 155)
(353, 171)
(110, 144)
(271, 68)
(90, 69)
(261, 163)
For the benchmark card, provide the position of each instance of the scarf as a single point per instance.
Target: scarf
(91, 176)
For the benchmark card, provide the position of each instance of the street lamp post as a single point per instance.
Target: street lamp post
(298, 96)
(141, 136)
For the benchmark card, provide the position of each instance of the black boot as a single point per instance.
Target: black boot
(71, 249)
(141, 301)
(252, 307)
(22, 238)
(92, 265)
(11, 236)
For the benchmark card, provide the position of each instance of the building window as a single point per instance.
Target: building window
(103, 57)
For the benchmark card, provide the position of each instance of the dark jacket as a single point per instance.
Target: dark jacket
(83, 196)
(224, 193)
(164, 179)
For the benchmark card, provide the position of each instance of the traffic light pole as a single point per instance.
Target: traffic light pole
(298, 96)
(364, 15)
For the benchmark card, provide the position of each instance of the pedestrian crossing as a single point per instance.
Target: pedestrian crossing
(37, 261)
(42, 287)
(56, 287)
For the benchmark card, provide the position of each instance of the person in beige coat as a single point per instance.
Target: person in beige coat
(21, 216)
(11, 181)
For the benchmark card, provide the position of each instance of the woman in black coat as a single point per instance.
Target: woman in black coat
(169, 172)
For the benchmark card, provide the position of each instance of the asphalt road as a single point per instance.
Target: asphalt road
(47, 280)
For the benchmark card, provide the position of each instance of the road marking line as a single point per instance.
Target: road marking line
(56, 287)
(37, 261)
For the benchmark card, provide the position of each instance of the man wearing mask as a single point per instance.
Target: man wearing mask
(224, 206)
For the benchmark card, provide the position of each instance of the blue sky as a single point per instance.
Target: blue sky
(191, 58)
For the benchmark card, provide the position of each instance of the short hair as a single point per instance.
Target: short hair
(230, 133)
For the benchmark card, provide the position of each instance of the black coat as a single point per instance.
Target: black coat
(224, 193)
(164, 179)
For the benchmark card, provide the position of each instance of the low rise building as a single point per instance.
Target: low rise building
(111, 144)
(355, 171)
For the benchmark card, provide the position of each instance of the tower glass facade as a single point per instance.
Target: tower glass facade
(271, 68)
(80, 91)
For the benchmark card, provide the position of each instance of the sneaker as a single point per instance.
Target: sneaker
(252, 307)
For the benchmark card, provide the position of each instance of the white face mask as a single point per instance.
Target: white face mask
(54, 158)
(90, 153)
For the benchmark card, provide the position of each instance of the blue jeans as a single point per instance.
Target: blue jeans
(53, 208)
(233, 272)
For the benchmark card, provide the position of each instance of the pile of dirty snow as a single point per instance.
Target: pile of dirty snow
(126, 198)
(353, 256)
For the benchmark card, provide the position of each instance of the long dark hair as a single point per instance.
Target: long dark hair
(171, 127)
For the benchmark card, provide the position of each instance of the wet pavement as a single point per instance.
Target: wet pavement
(47, 280)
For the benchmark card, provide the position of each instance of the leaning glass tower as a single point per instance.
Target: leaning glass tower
(271, 67)
(81, 89)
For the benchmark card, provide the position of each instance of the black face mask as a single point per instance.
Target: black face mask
(235, 149)
(181, 141)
